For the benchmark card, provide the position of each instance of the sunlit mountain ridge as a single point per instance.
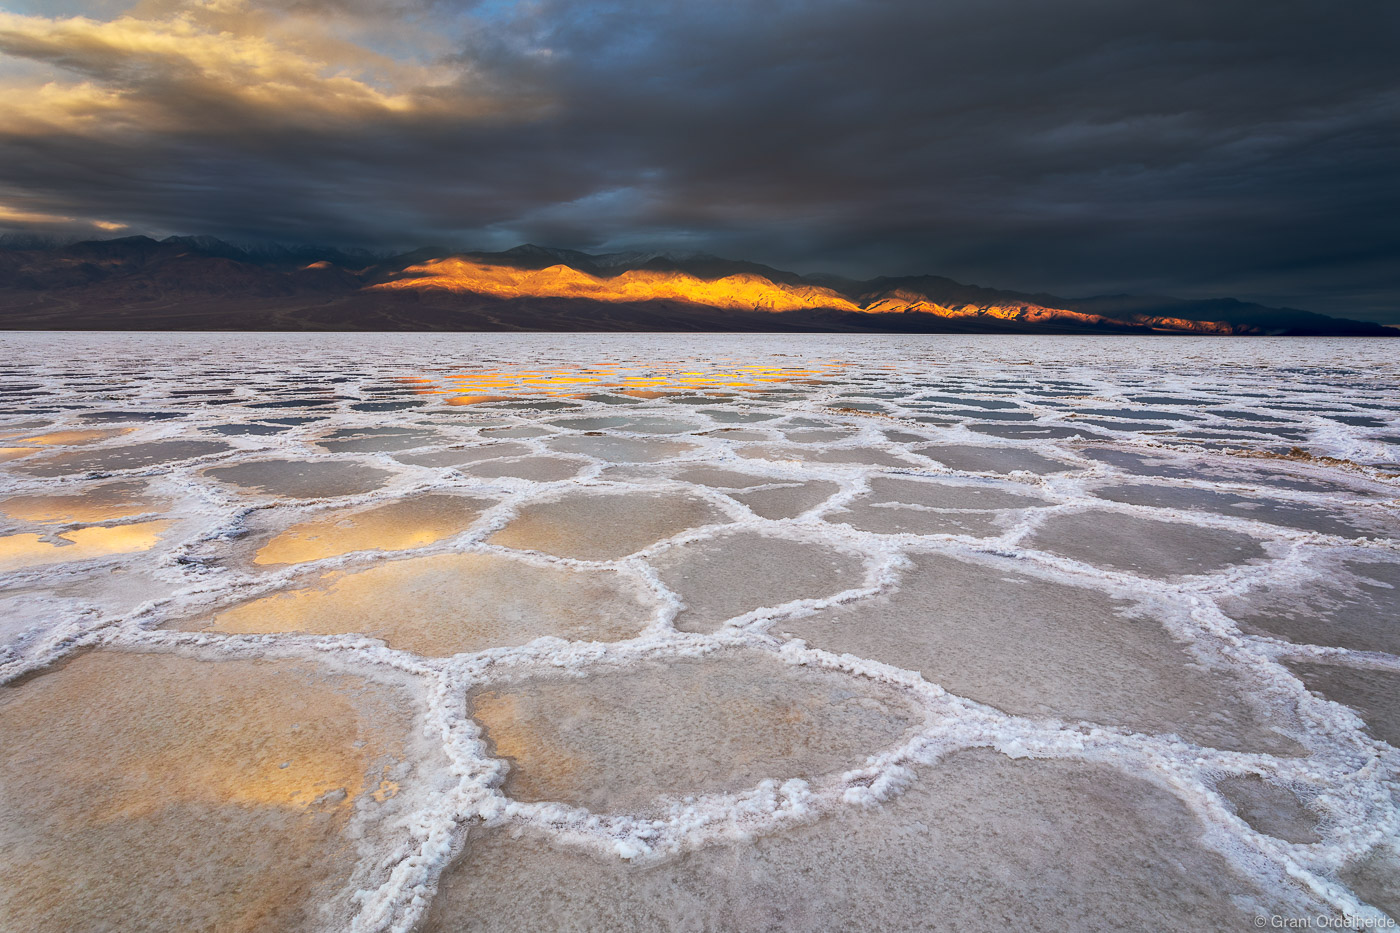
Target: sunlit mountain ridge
(205, 283)
(751, 292)
(741, 292)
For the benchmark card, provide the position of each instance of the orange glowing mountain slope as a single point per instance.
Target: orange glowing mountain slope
(743, 292)
(740, 292)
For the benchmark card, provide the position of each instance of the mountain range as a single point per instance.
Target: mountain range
(203, 283)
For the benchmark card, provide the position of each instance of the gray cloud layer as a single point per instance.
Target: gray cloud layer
(1082, 146)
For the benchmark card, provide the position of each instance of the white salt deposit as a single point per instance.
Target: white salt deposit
(783, 611)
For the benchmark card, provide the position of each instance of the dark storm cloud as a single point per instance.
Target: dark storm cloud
(1082, 146)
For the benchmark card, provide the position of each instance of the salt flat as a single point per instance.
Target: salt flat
(793, 633)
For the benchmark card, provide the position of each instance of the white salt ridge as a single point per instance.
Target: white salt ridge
(1345, 774)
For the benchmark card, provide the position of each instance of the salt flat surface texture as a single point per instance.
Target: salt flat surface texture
(798, 633)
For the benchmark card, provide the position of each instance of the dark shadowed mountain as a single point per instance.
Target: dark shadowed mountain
(202, 283)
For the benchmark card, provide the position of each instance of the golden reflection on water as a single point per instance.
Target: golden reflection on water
(195, 795)
(446, 604)
(398, 526)
(102, 503)
(23, 445)
(509, 721)
(163, 727)
(32, 550)
(73, 438)
(655, 380)
(478, 399)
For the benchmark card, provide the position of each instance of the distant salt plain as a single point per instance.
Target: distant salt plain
(720, 632)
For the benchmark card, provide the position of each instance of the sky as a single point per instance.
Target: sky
(1194, 147)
